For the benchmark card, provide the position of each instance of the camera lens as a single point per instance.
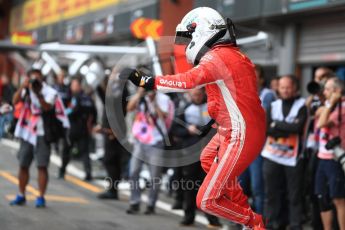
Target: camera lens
(36, 84)
(313, 87)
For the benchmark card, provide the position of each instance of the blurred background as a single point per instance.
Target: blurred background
(84, 39)
(287, 36)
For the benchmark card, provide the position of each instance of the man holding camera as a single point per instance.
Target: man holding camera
(330, 179)
(150, 132)
(313, 102)
(38, 97)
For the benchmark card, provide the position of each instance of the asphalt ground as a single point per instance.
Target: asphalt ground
(73, 204)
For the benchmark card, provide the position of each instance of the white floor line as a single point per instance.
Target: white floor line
(74, 171)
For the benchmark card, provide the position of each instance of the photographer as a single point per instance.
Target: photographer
(330, 179)
(315, 88)
(313, 102)
(149, 130)
(38, 98)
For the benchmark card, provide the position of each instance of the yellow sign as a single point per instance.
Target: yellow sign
(22, 38)
(97, 5)
(31, 14)
(36, 13)
(74, 8)
(49, 12)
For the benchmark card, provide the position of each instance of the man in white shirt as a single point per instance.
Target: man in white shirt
(37, 97)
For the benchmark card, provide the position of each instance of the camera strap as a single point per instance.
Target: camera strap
(340, 115)
(154, 118)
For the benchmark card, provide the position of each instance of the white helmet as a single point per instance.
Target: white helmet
(199, 29)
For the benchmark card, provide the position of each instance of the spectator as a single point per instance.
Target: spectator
(274, 84)
(253, 174)
(322, 73)
(285, 120)
(38, 98)
(63, 90)
(81, 114)
(267, 96)
(149, 131)
(6, 107)
(313, 102)
(330, 179)
(187, 130)
(65, 94)
(317, 98)
(114, 151)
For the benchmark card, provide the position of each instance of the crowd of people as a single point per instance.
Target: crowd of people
(298, 177)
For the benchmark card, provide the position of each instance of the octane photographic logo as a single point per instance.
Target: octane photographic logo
(167, 154)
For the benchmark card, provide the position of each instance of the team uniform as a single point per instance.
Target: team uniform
(233, 103)
(232, 98)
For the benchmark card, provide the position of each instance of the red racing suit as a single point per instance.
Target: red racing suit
(233, 101)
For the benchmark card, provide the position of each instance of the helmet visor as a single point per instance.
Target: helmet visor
(183, 38)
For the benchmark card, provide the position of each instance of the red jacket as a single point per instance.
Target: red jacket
(230, 82)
